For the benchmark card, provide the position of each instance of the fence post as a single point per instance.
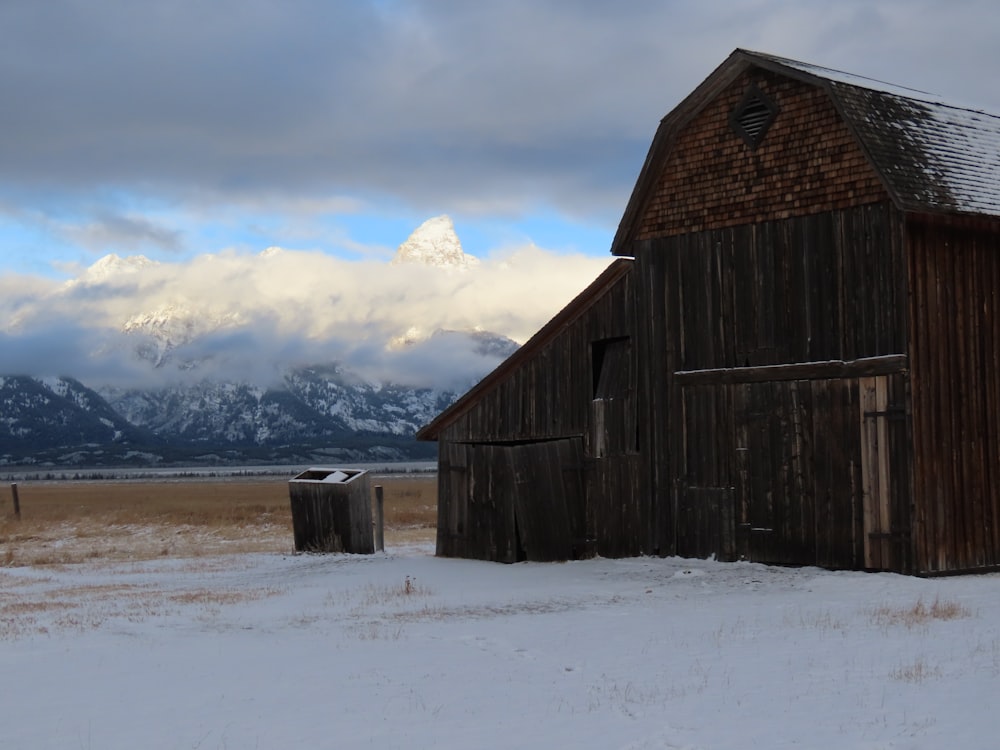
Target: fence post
(17, 501)
(379, 519)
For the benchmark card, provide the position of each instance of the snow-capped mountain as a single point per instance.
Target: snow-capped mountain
(318, 413)
(39, 414)
(315, 413)
(231, 380)
(112, 267)
(434, 243)
(160, 332)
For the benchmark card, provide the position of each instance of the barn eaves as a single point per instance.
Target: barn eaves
(753, 116)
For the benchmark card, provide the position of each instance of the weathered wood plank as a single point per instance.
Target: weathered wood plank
(826, 370)
(955, 386)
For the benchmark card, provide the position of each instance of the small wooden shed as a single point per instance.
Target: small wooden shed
(813, 336)
(331, 511)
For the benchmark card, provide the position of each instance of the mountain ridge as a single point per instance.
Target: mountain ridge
(196, 384)
(316, 414)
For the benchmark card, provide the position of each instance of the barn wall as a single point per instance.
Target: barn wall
(512, 502)
(955, 360)
(548, 396)
(808, 162)
(547, 464)
(798, 471)
(812, 288)
(822, 287)
(789, 251)
(618, 509)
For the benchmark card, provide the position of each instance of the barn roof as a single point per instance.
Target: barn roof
(563, 319)
(933, 157)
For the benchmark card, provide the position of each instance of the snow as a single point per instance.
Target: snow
(851, 79)
(963, 147)
(335, 477)
(111, 267)
(408, 650)
(434, 243)
(960, 145)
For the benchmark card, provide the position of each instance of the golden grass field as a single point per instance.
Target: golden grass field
(67, 522)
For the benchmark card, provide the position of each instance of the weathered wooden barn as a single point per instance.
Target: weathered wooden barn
(801, 365)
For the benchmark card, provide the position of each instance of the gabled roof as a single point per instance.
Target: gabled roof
(562, 320)
(932, 157)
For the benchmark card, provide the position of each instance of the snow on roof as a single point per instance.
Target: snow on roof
(935, 156)
(851, 79)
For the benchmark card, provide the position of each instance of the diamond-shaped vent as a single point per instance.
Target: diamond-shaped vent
(754, 115)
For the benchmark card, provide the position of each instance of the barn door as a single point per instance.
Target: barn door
(879, 546)
(705, 498)
(762, 460)
(509, 503)
(780, 516)
(548, 496)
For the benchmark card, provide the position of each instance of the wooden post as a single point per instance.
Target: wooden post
(379, 520)
(17, 501)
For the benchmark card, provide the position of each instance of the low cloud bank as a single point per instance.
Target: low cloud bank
(248, 317)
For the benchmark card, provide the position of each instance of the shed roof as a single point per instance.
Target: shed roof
(933, 157)
(564, 318)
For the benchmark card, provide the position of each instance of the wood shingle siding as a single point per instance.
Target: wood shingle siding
(808, 162)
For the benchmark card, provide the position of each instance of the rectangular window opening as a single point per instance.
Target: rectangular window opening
(610, 361)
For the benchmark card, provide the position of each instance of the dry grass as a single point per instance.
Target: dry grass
(91, 607)
(381, 595)
(212, 597)
(81, 521)
(919, 614)
(915, 673)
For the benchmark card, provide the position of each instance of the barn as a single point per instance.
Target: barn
(795, 361)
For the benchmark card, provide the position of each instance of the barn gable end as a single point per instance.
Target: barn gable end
(808, 161)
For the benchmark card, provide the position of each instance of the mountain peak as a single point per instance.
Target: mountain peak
(168, 327)
(434, 243)
(110, 266)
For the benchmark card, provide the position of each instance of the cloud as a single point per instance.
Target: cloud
(65, 347)
(112, 232)
(245, 317)
(439, 105)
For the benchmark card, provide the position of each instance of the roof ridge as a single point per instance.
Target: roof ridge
(820, 69)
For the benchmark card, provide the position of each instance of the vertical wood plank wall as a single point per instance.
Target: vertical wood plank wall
(796, 472)
(955, 360)
(772, 471)
(538, 440)
(897, 471)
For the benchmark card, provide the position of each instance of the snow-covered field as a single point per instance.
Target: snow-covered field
(407, 650)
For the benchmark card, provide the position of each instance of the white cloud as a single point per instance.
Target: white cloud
(438, 106)
(298, 307)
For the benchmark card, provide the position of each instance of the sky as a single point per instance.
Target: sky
(181, 129)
